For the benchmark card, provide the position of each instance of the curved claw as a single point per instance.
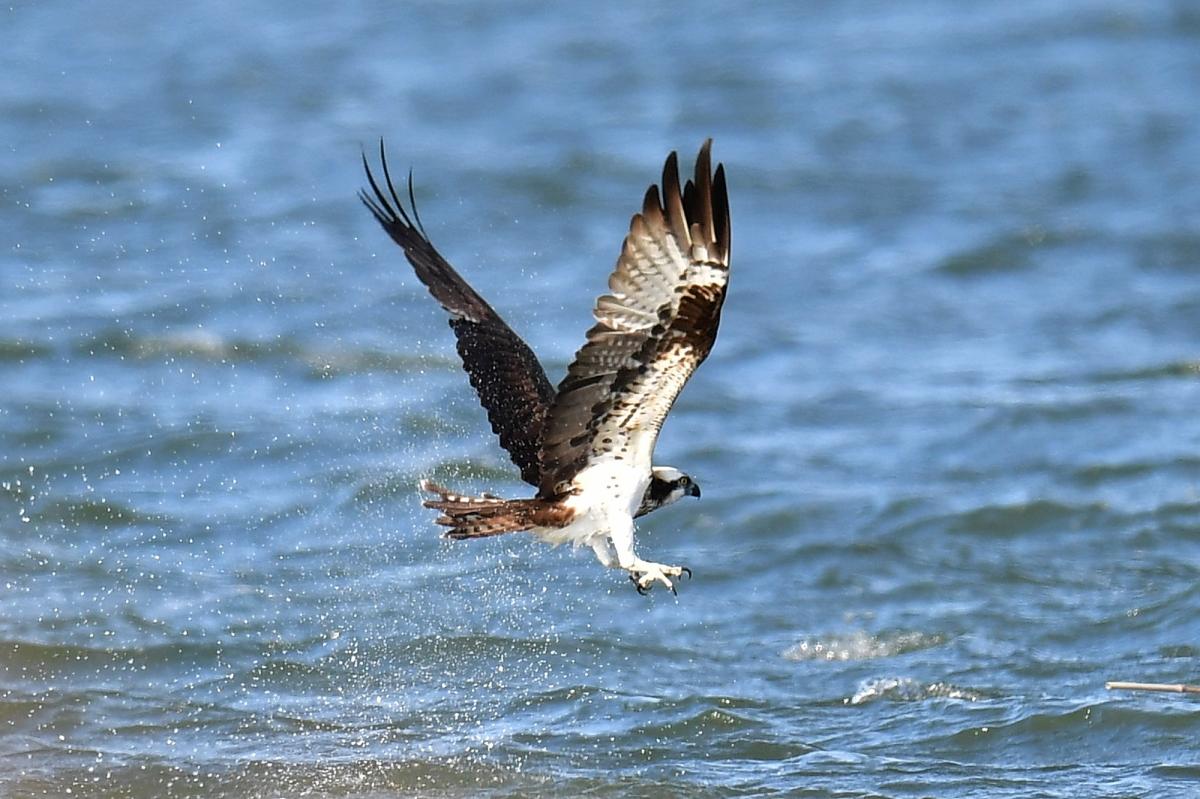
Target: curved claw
(673, 591)
(685, 571)
(640, 589)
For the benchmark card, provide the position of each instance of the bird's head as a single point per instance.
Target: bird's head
(667, 486)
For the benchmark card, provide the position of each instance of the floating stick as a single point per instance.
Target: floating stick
(1175, 688)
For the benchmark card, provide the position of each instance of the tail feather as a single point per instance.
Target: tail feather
(482, 516)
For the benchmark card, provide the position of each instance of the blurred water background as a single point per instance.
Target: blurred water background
(948, 437)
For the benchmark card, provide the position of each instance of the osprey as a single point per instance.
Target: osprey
(587, 446)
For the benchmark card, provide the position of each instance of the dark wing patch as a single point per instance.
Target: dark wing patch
(651, 332)
(510, 382)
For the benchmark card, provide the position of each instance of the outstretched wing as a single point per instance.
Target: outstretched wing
(651, 332)
(511, 384)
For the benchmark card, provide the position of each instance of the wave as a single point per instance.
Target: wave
(210, 346)
(863, 646)
(1125, 727)
(1188, 369)
(45, 772)
(87, 511)
(17, 350)
(1022, 517)
(1008, 253)
(1017, 416)
(1091, 474)
(905, 689)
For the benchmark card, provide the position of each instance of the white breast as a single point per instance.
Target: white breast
(610, 486)
(608, 492)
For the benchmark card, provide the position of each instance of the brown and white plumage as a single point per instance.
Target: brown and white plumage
(512, 386)
(588, 445)
(652, 330)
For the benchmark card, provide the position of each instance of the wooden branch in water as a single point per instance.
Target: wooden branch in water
(1176, 688)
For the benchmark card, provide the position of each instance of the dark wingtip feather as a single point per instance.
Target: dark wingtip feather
(721, 213)
(511, 384)
(378, 204)
(387, 176)
(412, 202)
(651, 207)
(703, 180)
(387, 207)
(673, 202)
(685, 280)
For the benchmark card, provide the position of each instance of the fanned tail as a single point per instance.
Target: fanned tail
(480, 517)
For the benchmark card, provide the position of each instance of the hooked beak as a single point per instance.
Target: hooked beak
(693, 491)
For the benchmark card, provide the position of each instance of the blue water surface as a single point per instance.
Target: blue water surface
(948, 437)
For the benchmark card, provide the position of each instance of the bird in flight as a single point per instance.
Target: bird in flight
(587, 446)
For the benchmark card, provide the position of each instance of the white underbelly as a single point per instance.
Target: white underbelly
(609, 492)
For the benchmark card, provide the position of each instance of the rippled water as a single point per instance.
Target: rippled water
(948, 436)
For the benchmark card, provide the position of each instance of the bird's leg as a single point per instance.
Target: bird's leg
(642, 573)
(604, 553)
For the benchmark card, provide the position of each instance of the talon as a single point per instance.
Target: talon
(685, 571)
(643, 590)
(673, 591)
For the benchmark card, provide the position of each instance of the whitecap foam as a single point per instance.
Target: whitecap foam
(906, 689)
(861, 645)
